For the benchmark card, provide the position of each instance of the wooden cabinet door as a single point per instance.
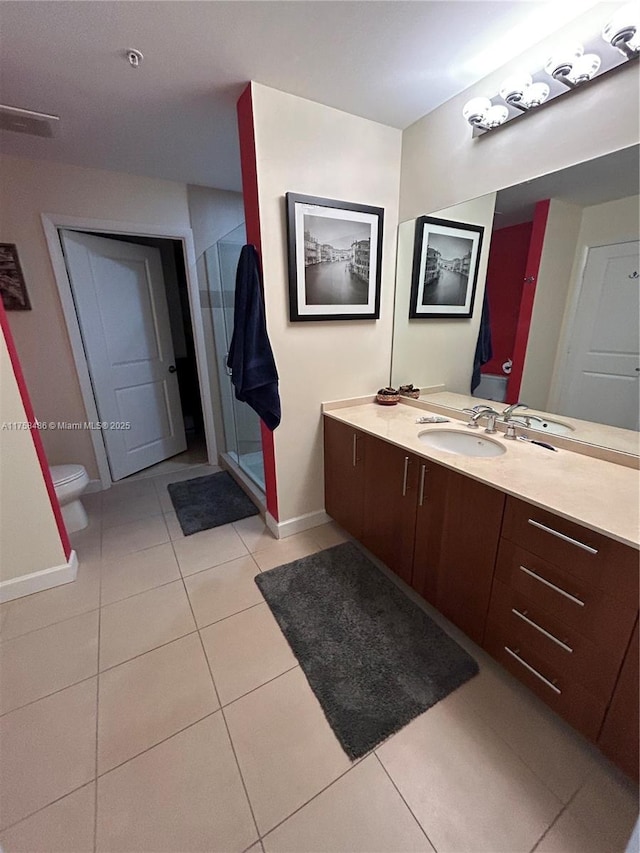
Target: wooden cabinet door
(468, 548)
(619, 736)
(344, 475)
(432, 492)
(390, 489)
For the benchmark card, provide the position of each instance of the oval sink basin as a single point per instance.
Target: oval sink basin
(461, 443)
(543, 424)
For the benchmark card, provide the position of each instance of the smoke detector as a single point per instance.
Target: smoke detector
(28, 121)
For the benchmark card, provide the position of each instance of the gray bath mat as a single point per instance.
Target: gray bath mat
(373, 658)
(210, 501)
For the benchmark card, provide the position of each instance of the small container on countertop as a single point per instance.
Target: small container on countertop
(387, 396)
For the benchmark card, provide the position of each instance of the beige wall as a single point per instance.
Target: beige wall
(304, 147)
(27, 189)
(29, 538)
(442, 165)
(600, 225)
(433, 352)
(214, 213)
(552, 290)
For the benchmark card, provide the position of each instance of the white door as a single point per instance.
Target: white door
(603, 367)
(118, 290)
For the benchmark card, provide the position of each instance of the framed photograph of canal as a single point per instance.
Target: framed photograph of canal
(335, 256)
(446, 257)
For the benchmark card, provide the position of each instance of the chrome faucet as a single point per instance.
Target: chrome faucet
(484, 412)
(506, 414)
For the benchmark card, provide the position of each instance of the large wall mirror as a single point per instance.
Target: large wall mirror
(559, 264)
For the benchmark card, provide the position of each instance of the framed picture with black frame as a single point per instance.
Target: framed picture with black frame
(446, 258)
(13, 289)
(335, 259)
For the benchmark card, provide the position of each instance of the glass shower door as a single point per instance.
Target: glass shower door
(241, 424)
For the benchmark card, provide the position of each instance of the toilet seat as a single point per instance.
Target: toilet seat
(62, 475)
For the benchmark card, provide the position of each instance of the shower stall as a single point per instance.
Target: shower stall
(242, 440)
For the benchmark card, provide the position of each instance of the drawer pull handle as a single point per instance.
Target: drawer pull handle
(355, 449)
(404, 479)
(533, 670)
(423, 471)
(562, 536)
(552, 586)
(535, 625)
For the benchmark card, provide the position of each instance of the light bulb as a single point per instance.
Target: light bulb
(584, 68)
(495, 116)
(562, 60)
(622, 29)
(535, 94)
(476, 109)
(514, 87)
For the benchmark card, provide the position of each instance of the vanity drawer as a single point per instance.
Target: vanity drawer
(525, 624)
(566, 696)
(572, 602)
(594, 558)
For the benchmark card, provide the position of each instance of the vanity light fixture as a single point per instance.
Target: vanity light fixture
(522, 93)
(623, 30)
(480, 112)
(568, 67)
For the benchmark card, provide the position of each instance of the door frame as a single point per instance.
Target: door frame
(51, 224)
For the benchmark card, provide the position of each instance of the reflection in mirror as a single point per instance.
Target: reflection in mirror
(560, 263)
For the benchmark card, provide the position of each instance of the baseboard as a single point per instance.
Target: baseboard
(93, 486)
(282, 529)
(37, 581)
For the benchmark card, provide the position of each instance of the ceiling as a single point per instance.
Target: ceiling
(174, 117)
(607, 178)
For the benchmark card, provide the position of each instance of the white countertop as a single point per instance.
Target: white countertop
(597, 494)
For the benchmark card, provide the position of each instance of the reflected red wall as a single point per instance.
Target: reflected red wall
(505, 278)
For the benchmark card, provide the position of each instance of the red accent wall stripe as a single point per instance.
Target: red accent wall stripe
(35, 432)
(252, 224)
(534, 257)
(505, 280)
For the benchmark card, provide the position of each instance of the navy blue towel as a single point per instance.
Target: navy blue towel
(484, 350)
(253, 368)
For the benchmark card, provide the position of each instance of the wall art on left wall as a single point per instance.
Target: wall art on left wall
(335, 259)
(12, 286)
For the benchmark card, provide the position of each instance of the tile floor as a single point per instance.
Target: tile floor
(154, 705)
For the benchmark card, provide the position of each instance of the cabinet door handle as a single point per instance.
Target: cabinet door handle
(562, 536)
(535, 625)
(406, 474)
(423, 471)
(355, 449)
(533, 670)
(552, 586)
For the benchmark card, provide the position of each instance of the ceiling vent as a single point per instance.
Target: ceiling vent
(28, 121)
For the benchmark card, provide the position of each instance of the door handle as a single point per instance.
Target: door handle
(172, 368)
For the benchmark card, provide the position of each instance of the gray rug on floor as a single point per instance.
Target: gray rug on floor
(373, 658)
(209, 501)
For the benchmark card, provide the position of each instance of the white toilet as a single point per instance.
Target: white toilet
(70, 481)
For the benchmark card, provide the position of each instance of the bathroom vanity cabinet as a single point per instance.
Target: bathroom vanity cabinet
(553, 601)
(344, 475)
(619, 735)
(436, 529)
(563, 607)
